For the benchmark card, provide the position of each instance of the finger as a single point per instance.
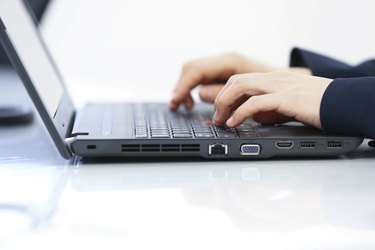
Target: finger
(208, 93)
(226, 86)
(189, 102)
(234, 80)
(255, 104)
(243, 85)
(227, 113)
(188, 80)
(198, 72)
(250, 84)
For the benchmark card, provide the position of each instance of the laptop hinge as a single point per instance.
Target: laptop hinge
(72, 138)
(79, 133)
(69, 141)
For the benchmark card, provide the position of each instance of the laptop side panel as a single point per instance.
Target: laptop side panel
(60, 126)
(255, 148)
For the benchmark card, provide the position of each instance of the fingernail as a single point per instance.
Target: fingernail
(230, 122)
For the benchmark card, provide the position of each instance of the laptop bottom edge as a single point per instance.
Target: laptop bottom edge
(216, 148)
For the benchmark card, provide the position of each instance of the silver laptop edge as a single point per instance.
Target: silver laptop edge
(58, 124)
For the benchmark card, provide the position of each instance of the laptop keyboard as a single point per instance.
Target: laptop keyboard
(156, 121)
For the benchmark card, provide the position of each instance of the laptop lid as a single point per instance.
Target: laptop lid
(31, 59)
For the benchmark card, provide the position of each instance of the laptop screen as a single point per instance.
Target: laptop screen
(24, 36)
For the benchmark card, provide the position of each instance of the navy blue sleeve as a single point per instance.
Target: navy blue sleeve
(348, 107)
(328, 67)
(348, 104)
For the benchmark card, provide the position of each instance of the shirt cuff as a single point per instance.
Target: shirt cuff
(347, 107)
(319, 65)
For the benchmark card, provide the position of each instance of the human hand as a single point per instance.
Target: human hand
(212, 73)
(271, 98)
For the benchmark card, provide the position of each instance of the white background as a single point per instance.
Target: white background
(120, 48)
(134, 50)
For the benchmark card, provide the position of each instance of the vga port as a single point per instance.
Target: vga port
(250, 149)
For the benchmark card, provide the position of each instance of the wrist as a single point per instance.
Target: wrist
(301, 70)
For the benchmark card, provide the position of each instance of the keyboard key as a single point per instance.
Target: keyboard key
(227, 135)
(203, 130)
(245, 130)
(159, 131)
(182, 136)
(160, 136)
(155, 121)
(248, 134)
(204, 135)
(141, 136)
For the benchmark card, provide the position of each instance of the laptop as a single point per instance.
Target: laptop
(142, 129)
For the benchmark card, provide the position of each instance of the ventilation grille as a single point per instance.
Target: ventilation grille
(160, 147)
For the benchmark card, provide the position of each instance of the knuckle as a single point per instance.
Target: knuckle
(231, 79)
(234, 79)
(254, 103)
(234, 55)
(187, 66)
(218, 102)
(254, 100)
(241, 82)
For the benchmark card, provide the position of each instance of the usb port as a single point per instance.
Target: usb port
(334, 145)
(307, 145)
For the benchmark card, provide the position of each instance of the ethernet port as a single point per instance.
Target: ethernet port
(218, 149)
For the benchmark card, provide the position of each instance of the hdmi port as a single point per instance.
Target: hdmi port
(284, 144)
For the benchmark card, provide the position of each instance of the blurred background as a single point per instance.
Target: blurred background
(120, 48)
(38, 7)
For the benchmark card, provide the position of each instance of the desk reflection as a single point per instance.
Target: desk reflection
(280, 195)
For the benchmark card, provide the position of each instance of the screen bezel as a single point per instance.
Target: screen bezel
(59, 126)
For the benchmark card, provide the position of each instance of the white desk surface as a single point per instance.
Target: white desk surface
(49, 203)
